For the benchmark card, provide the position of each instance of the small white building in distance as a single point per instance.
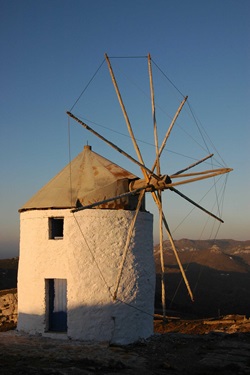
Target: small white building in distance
(69, 261)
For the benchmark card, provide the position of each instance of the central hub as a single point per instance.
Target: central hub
(160, 183)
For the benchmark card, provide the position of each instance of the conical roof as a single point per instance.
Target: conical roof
(87, 179)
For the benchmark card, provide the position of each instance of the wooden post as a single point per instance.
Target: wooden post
(169, 130)
(130, 130)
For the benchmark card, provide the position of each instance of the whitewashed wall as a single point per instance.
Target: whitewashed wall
(89, 257)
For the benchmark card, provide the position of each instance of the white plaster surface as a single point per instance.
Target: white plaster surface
(89, 257)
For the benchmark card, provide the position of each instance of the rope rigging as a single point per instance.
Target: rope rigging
(145, 142)
(199, 127)
(85, 88)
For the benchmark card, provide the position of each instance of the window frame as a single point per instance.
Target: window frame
(56, 228)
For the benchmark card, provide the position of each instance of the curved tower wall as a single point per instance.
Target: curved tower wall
(88, 259)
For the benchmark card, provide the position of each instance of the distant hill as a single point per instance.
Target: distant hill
(218, 272)
(223, 255)
(8, 273)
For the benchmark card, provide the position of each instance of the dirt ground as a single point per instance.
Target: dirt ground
(177, 347)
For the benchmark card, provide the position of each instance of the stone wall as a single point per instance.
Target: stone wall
(8, 307)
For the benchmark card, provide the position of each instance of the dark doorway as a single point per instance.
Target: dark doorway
(56, 304)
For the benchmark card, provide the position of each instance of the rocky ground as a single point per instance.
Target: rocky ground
(177, 347)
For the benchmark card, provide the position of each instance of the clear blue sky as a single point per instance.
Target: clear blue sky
(51, 48)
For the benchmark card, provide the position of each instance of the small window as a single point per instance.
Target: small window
(56, 228)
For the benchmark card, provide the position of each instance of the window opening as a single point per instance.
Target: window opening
(56, 228)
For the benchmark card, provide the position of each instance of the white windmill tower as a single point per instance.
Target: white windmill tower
(86, 266)
(69, 261)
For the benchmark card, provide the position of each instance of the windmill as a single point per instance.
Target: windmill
(154, 181)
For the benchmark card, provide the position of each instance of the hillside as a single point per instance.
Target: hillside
(218, 272)
(223, 255)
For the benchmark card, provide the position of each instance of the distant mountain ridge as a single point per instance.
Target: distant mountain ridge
(224, 255)
(218, 272)
(232, 246)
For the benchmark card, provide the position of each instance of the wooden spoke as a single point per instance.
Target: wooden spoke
(201, 176)
(96, 204)
(169, 130)
(158, 171)
(157, 201)
(178, 259)
(130, 130)
(152, 182)
(154, 115)
(196, 204)
(165, 182)
(87, 127)
(208, 173)
(126, 248)
(163, 288)
(193, 165)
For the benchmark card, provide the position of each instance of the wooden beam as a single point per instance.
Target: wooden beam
(208, 172)
(169, 130)
(87, 127)
(130, 130)
(154, 115)
(196, 204)
(193, 165)
(96, 204)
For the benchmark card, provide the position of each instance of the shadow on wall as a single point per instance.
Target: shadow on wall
(116, 323)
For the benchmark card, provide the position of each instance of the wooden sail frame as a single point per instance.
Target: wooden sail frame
(153, 182)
